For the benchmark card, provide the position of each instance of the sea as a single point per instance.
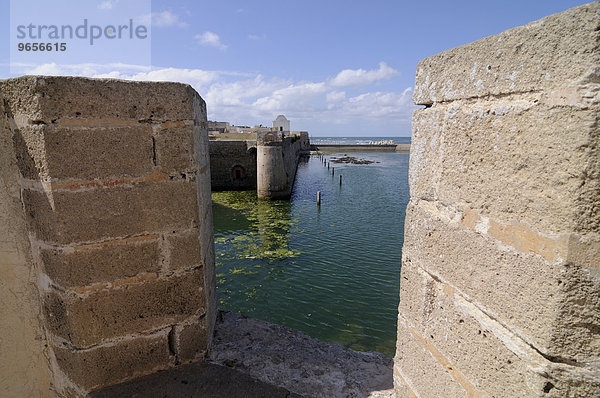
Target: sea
(358, 140)
(332, 270)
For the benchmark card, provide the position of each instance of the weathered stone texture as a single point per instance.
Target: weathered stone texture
(115, 191)
(175, 147)
(103, 262)
(133, 308)
(185, 251)
(551, 53)
(53, 98)
(107, 365)
(500, 283)
(224, 156)
(104, 213)
(190, 341)
(23, 359)
(108, 151)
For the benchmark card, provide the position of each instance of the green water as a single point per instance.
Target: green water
(331, 272)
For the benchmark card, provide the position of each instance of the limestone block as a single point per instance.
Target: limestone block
(23, 357)
(185, 251)
(89, 319)
(103, 262)
(555, 51)
(69, 216)
(419, 370)
(51, 152)
(51, 98)
(190, 340)
(107, 365)
(175, 147)
(497, 362)
(501, 278)
(469, 348)
(516, 160)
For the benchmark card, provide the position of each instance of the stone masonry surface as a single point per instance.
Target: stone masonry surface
(108, 188)
(500, 284)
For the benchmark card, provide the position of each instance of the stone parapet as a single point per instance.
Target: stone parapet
(500, 287)
(114, 181)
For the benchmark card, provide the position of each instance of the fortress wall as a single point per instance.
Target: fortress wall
(277, 162)
(23, 360)
(224, 156)
(500, 284)
(115, 187)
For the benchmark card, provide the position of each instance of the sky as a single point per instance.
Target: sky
(333, 67)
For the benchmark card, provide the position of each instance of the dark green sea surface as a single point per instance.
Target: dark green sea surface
(331, 272)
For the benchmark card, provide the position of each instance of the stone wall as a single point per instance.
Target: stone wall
(108, 233)
(23, 363)
(277, 162)
(500, 285)
(225, 156)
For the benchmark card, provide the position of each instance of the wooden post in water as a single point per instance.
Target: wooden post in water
(318, 198)
(332, 171)
(340, 180)
(328, 165)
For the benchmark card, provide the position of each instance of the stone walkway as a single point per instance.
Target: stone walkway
(254, 358)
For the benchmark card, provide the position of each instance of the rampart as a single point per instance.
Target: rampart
(500, 284)
(233, 165)
(277, 162)
(107, 249)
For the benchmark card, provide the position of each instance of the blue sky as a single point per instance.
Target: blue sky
(334, 68)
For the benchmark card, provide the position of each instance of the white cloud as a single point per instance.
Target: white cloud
(335, 96)
(359, 77)
(243, 98)
(107, 4)
(163, 19)
(210, 39)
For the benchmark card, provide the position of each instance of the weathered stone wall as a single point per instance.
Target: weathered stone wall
(224, 157)
(115, 187)
(500, 286)
(277, 162)
(23, 364)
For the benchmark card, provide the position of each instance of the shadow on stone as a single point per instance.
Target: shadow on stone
(196, 380)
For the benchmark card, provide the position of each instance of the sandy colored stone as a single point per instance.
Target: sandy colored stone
(108, 365)
(190, 341)
(420, 371)
(472, 152)
(555, 51)
(185, 251)
(51, 98)
(137, 308)
(70, 217)
(175, 149)
(101, 263)
(552, 315)
(23, 358)
(486, 363)
(97, 152)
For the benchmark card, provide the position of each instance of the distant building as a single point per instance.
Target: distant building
(281, 123)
